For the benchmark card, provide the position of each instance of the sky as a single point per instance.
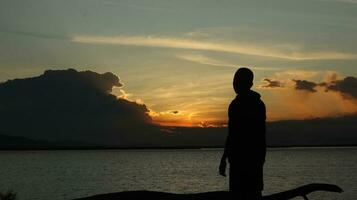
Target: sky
(179, 57)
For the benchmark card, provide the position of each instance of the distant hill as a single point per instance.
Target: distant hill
(12, 142)
(22, 143)
(339, 131)
(333, 131)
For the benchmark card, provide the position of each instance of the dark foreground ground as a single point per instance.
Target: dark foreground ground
(302, 191)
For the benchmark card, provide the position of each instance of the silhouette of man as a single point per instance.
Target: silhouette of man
(245, 146)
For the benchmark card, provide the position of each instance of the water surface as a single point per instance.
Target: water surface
(57, 175)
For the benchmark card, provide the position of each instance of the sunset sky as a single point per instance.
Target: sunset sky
(179, 57)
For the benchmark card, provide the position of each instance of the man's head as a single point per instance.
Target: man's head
(243, 80)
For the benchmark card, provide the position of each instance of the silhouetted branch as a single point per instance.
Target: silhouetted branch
(303, 191)
(9, 195)
(218, 195)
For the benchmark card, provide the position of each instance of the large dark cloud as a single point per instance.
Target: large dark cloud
(347, 87)
(70, 105)
(305, 85)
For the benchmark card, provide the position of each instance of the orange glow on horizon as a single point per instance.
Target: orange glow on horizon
(282, 103)
(173, 123)
(185, 119)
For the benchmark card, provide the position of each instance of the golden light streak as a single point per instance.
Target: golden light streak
(230, 47)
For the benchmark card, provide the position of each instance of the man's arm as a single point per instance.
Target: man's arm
(263, 130)
(223, 163)
(225, 152)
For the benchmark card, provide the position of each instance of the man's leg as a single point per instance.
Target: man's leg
(244, 184)
(236, 186)
(253, 195)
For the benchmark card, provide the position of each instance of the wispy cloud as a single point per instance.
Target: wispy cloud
(348, 1)
(340, 1)
(35, 34)
(197, 58)
(136, 5)
(205, 60)
(180, 43)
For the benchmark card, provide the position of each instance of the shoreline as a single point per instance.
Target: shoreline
(166, 148)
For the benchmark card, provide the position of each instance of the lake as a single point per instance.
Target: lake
(67, 174)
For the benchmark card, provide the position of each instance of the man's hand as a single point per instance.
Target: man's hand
(222, 167)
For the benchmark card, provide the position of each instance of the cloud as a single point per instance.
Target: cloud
(289, 52)
(35, 34)
(172, 118)
(290, 104)
(305, 85)
(230, 47)
(272, 83)
(201, 59)
(347, 87)
(287, 79)
(293, 78)
(314, 100)
(70, 105)
(124, 94)
(348, 1)
(205, 60)
(297, 74)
